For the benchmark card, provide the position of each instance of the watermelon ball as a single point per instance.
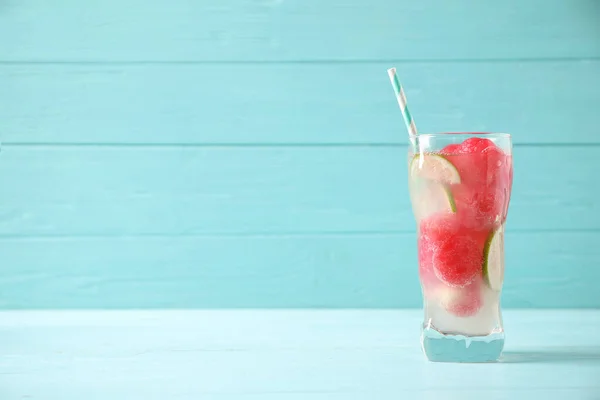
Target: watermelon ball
(476, 159)
(480, 208)
(433, 230)
(493, 164)
(449, 248)
(463, 302)
(439, 224)
(457, 259)
(450, 149)
(476, 145)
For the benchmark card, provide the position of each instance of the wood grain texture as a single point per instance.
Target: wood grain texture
(290, 355)
(276, 271)
(537, 102)
(283, 30)
(105, 190)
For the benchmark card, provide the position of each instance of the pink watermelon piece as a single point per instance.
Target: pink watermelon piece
(465, 302)
(449, 251)
(476, 159)
(458, 259)
(486, 178)
(429, 281)
(480, 209)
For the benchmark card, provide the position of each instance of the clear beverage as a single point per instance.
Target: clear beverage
(460, 186)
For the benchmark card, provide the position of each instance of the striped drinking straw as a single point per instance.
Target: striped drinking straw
(410, 124)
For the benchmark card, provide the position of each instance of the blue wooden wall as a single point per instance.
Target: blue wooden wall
(250, 153)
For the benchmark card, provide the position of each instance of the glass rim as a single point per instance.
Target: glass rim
(466, 133)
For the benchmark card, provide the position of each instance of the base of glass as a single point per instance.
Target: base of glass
(439, 347)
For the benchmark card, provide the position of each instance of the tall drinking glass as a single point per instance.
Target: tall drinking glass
(460, 186)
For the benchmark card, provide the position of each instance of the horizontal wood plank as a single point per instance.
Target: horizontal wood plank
(272, 30)
(304, 271)
(105, 190)
(538, 102)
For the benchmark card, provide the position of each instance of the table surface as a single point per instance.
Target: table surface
(285, 355)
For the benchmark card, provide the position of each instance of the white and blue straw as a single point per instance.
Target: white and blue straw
(410, 124)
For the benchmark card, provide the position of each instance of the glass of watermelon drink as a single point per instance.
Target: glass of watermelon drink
(460, 186)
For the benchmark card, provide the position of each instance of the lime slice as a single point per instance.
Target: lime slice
(493, 260)
(429, 180)
(434, 167)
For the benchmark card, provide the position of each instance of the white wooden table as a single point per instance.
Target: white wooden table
(285, 355)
